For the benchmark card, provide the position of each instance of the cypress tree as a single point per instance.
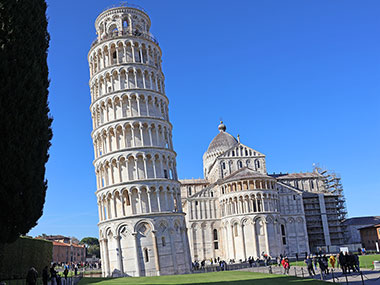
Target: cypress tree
(25, 125)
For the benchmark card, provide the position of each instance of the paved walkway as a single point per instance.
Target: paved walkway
(368, 276)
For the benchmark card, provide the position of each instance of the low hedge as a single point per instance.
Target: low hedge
(16, 258)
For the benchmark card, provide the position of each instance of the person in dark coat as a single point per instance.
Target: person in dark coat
(45, 275)
(325, 263)
(342, 262)
(31, 277)
(356, 262)
(65, 273)
(309, 264)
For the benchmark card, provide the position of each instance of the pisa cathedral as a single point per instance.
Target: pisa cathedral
(150, 223)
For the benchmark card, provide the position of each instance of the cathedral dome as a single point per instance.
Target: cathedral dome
(222, 142)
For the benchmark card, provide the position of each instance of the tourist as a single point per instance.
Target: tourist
(286, 265)
(356, 262)
(45, 275)
(325, 263)
(279, 261)
(309, 264)
(342, 262)
(332, 260)
(53, 274)
(65, 273)
(322, 266)
(315, 261)
(31, 277)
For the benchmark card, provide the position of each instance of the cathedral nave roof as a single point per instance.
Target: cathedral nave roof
(244, 173)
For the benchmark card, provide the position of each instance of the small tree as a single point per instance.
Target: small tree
(92, 245)
(24, 115)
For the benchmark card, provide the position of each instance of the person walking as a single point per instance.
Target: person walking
(31, 277)
(356, 262)
(53, 274)
(309, 264)
(332, 260)
(45, 275)
(315, 261)
(325, 263)
(65, 273)
(286, 265)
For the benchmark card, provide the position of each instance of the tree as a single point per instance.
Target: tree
(89, 241)
(92, 245)
(25, 125)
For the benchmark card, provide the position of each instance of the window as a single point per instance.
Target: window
(257, 163)
(189, 191)
(223, 165)
(233, 153)
(240, 164)
(196, 203)
(283, 230)
(163, 241)
(125, 23)
(215, 232)
(216, 245)
(146, 256)
(114, 55)
(294, 197)
(312, 184)
(246, 152)
(165, 173)
(283, 234)
(212, 194)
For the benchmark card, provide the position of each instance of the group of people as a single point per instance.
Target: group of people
(347, 261)
(50, 274)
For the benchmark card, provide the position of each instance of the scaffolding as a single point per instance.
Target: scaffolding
(336, 204)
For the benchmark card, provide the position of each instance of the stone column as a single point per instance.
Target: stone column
(106, 258)
(158, 199)
(137, 254)
(100, 211)
(266, 237)
(243, 241)
(119, 256)
(156, 256)
(255, 244)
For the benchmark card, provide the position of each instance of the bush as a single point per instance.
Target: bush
(16, 258)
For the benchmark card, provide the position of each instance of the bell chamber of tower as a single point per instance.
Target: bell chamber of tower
(142, 229)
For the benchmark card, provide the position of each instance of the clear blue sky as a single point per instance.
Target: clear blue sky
(298, 80)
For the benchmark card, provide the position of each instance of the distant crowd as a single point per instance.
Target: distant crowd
(347, 261)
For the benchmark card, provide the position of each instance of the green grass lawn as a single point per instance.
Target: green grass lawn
(225, 277)
(366, 261)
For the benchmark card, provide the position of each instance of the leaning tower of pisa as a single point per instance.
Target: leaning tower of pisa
(142, 228)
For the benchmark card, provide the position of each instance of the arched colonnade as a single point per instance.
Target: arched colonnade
(138, 166)
(129, 106)
(126, 78)
(122, 52)
(132, 135)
